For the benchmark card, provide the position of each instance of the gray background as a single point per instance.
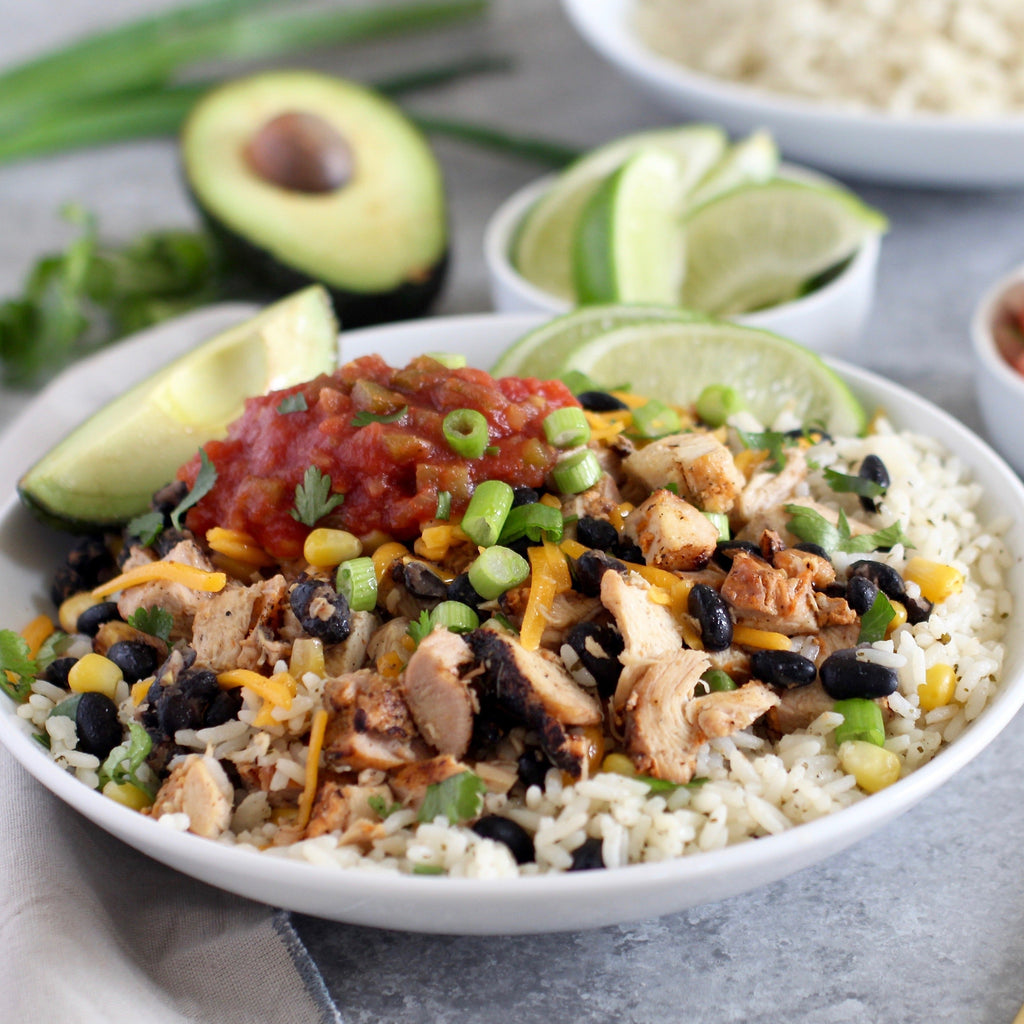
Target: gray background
(921, 923)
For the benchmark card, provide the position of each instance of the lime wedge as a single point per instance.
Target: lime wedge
(757, 245)
(628, 243)
(541, 250)
(751, 160)
(675, 361)
(107, 469)
(544, 350)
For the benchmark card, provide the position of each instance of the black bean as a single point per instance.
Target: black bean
(813, 434)
(532, 767)
(88, 563)
(223, 708)
(57, 672)
(605, 666)
(135, 658)
(600, 401)
(919, 609)
(460, 589)
(861, 593)
(96, 723)
(95, 616)
(885, 577)
(176, 711)
(198, 684)
(628, 551)
(783, 668)
(512, 834)
(589, 569)
(708, 607)
(814, 549)
(725, 551)
(169, 539)
(423, 581)
(332, 629)
(167, 499)
(597, 533)
(873, 469)
(588, 857)
(844, 676)
(524, 496)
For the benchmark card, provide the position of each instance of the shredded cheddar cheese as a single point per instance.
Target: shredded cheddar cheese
(238, 546)
(316, 744)
(763, 638)
(174, 572)
(36, 632)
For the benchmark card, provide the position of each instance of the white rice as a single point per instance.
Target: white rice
(962, 57)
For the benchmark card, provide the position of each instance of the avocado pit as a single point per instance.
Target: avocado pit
(300, 152)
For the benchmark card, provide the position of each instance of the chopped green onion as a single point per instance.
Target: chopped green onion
(862, 720)
(577, 382)
(567, 427)
(577, 472)
(716, 403)
(655, 419)
(486, 512)
(454, 615)
(721, 521)
(718, 681)
(536, 521)
(452, 360)
(465, 430)
(496, 570)
(444, 505)
(356, 581)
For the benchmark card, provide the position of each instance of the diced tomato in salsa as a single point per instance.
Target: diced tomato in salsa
(390, 472)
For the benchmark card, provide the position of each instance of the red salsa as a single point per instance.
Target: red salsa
(377, 433)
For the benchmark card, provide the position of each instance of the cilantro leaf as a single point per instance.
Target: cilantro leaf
(51, 649)
(771, 441)
(813, 527)
(880, 540)
(875, 620)
(205, 479)
(364, 418)
(313, 497)
(427, 869)
(293, 403)
(124, 761)
(16, 661)
(844, 483)
(155, 621)
(421, 627)
(146, 527)
(458, 798)
(381, 807)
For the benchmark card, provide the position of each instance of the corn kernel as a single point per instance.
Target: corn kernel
(937, 581)
(390, 665)
(325, 548)
(307, 656)
(872, 766)
(899, 617)
(433, 542)
(938, 687)
(618, 764)
(127, 793)
(385, 555)
(617, 516)
(93, 673)
(593, 736)
(72, 607)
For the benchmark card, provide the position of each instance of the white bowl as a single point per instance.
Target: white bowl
(941, 150)
(829, 319)
(463, 905)
(1000, 389)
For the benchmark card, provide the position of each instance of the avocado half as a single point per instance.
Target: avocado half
(108, 468)
(303, 177)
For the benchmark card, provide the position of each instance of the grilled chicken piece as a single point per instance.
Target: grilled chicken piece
(672, 533)
(410, 782)
(599, 501)
(350, 655)
(340, 804)
(798, 707)
(764, 597)
(648, 629)
(697, 463)
(820, 571)
(766, 491)
(734, 661)
(666, 725)
(178, 600)
(235, 628)
(199, 787)
(534, 687)
(369, 725)
(439, 698)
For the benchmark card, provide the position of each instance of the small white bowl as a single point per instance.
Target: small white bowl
(829, 319)
(1000, 389)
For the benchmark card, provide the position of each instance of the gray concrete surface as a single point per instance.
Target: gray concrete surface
(922, 923)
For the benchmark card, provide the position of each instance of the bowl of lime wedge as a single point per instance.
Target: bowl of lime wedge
(685, 218)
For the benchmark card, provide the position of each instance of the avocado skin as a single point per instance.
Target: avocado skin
(272, 279)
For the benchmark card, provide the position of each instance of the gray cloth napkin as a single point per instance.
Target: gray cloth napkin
(93, 932)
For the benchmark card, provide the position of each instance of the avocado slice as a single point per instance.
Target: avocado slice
(107, 469)
(302, 176)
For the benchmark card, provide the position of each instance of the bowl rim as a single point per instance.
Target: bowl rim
(983, 339)
(500, 231)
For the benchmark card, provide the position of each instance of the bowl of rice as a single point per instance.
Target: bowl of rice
(959, 504)
(909, 93)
